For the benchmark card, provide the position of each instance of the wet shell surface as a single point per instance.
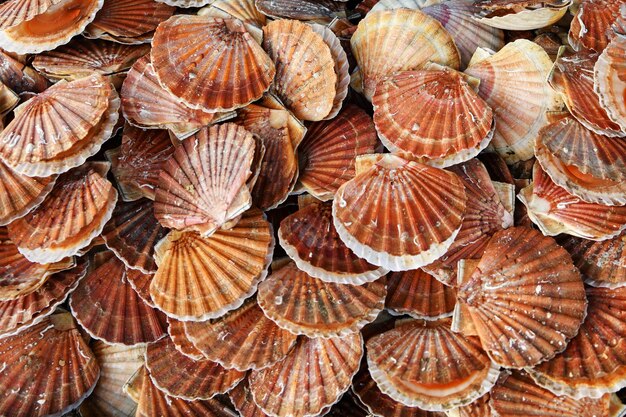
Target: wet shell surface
(74, 212)
(312, 377)
(243, 339)
(52, 351)
(210, 63)
(591, 25)
(202, 278)
(297, 302)
(366, 206)
(525, 298)
(427, 365)
(609, 80)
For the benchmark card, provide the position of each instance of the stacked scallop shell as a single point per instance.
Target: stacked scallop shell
(298, 208)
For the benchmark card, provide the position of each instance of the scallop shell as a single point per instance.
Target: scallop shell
(521, 14)
(312, 377)
(14, 12)
(30, 309)
(525, 298)
(310, 239)
(20, 194)
(108, 308)
(489, 209)
(479, 408)
(19, 77)
(185, 3)
(82, 57)
(593, 363)
(419, 294)
(202, 380)
(85, 111)
(203, 184)
(513, 82)
(518, 395)
(52, 351)
(556, 211)
(586, 164)
(243, 339)
(365, 207)
(224, 269)
(591, 25)
(117, 365)
(128, 21)
(70, 217)
(572, 78)
(241, 397)
(433, 114)
(305, 69)
(191, 54)
(132, 233)
(389, 41)
(330, 309)
(176, 331)
(244, 10)
(329, 149)
(609, 81)
(426, 365)
(315, 10)
(54, 27)
(8, 99)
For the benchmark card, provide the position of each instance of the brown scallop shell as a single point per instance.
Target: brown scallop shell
(328, 151)
(419, 294)
(30, 309)
(20, 194)
(109, 309)
(591, 25)
(434, 114)
(312, 377)
(426, 365)
(556, 211)
(61, 127)
(310, 239)
(242, 399)
(54, 27)
(19, 77)
(608, 80)
(117, 365)
(517, 395)
(525, 298)
(132, 233)
(192, 54)
(323, 11)
(572, 78)
(305, 76)
(47, 370)
(378, 222)
(593, 363)
(330, 310)
(244, 10)
(14, 12)
(586, 164)
(128, 21)
(202, 278)
(202, 379)
(177, 332)
(74, 213)
(514, 83)
(389, 41)
(519, 15)
(243, 339)
(203, 184)
(479, 408)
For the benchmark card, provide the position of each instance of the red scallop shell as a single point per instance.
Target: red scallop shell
(591, 25)
(419, 294)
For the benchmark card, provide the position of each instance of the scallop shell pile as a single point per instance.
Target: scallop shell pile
(299, 208)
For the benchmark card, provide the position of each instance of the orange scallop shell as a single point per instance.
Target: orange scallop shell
(609, 80)
(520, 15)
(328, 151)
(203, 184)
(243, 339)
(330, 309)
(305, 75)
(556, 211)
(514, 83)
(241, 397)
(132, 233)
(244, 10)
(312, 377)
(389, 41)
(591, 25)
(191, 54)
(525, 298)
(419, 294)
(202, 379)
(433, 114)
(479, 408)
(177, 332)
(47, 370)
(202, 278)
(426, 365)
(399, 214)
(14, 12)
(109, 309)
(70, 217)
